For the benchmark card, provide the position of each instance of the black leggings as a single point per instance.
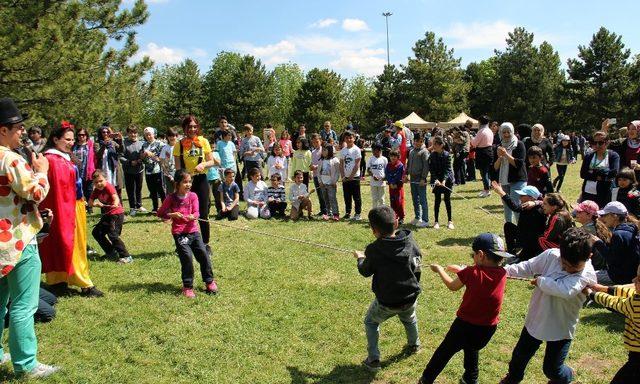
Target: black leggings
(630, 371)
(133, 184)
(463, 336)
(439, 191)
(156, 188)
(200, 186)
(562, 170)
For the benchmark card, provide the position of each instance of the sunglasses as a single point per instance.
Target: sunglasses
(82, 135)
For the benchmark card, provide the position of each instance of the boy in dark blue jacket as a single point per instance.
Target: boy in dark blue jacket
(393, 260)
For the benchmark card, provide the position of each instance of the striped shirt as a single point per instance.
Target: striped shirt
(279, 194)
(626, 301)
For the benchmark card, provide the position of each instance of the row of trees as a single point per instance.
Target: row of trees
(72, 59)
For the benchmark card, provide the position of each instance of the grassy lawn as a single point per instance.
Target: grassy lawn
(289, 312)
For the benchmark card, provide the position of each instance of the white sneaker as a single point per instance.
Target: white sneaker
(42, 370)
(416, 222)
(356, 217)
(482, 194)
(450, 225)
(5, 358)
(422, 224)
(143, 209)
(436, 226)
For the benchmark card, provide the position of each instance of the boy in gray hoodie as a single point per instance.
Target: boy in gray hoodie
(417, 171)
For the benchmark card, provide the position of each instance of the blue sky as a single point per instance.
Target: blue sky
(349, 36)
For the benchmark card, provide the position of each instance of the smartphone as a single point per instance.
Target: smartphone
(613, 121)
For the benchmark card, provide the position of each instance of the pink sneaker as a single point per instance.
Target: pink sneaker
(211, 288)
(336, 217)
(325, 217)
(188, 292)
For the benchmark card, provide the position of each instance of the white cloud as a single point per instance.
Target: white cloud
(166, 55)
(323, 23)
(365, 61)
(279, 52)
(478, 34)
(354, 25)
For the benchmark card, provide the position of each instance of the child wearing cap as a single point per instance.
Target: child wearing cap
(478, 314)
(621, 253)
(586, 213)
(538, 174)
(531, 223)
(624, 300)
(394, 261)
(559, 276)
(376, 169)
(626, 192)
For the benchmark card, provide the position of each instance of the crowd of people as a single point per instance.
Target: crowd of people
(70, 173)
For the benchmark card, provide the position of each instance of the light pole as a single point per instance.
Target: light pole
(386, 19)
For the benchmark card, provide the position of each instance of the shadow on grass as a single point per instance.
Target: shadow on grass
(155, 287)
(349, 373)
(613, 322)
(7, 376)
(456, 241)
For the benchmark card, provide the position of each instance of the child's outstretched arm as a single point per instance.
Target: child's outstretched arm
(364, 264)
(565, 288)
(452, 284)
(620, 299)
(528, 268)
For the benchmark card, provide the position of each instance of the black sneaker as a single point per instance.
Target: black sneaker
(91, 292)
(372, 365)
(411, 349)
(346, 217)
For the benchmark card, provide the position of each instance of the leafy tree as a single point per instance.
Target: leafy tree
(601, 75)
(482, 78)
(287, 80)
(318, 100)
(435, 84)
(389, 99)
(633, 96)
(218, 86)
(356, 102)
(57, 56)
(184, 92)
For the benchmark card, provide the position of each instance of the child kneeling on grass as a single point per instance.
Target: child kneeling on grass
(478, 315)
(107, 231)
(394, 261)
(559, 276)
(624, 299)
(181, 207)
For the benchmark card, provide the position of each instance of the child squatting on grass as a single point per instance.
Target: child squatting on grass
(477, 318)
(394, 260)
(181, 207)
(107, 231)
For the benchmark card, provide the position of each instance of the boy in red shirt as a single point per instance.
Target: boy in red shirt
(538, 174)
(477, 317)
(107, 231)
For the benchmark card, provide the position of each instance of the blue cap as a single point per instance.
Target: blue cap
(530, 191)
(489, 242)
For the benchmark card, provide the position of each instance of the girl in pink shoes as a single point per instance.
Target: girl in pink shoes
(181, 207)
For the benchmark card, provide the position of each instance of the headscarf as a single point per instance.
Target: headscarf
(635, 144)
(535, 138)
(151, 130)
(509, 145)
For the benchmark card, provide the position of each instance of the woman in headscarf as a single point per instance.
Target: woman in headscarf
(510, 167)
(151, 149)
(599, 170)
(64, 251)
(539, 140)
(629, 148)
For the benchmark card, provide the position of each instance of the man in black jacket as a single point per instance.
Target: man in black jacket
(393, 260)
(531, 223)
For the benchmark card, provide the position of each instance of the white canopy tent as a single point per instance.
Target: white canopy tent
(413, 121)
(459, 120)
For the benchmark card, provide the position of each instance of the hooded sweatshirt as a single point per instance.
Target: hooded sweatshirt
(621, 254)
(395, 264)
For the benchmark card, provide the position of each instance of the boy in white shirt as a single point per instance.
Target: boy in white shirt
(376, 166)
(559, 276)
(350, 158)
(299, 197)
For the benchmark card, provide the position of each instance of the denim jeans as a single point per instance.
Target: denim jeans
(510, 189)
(419, 197)
(553, 365)
(23, 285)
(377, 314)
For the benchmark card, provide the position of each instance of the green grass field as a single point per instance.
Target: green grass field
(289, 312)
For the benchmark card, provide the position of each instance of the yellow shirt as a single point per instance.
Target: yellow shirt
(194, 156)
